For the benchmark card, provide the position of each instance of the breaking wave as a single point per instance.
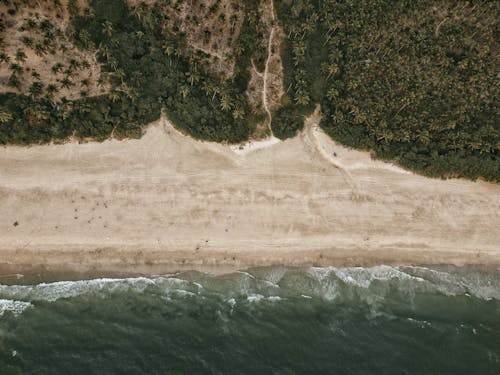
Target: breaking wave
(371, 285)
(300, 320)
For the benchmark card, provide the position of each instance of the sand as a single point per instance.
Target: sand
(166, 202)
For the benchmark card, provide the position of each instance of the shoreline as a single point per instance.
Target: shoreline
(166, 202)
(114, 262)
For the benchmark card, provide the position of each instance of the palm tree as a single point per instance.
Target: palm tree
(57, 67)
(74, 64)
(107, 29)
(332, 94)
(140, 9)
(330, 69)
(4, 57)
(85, 64)
(39, 49)
(192, 76)
(16, 68)
(52, 89)
(113, 63)
(66, 83)
(5, 116)
(184, 91)
(120, 74)
(20, 55)
(225, 103)
(36, 114)
(168, 50)
(207, 87)
(27, 41)
(14, 82)
(238, 114)
(136, 78)
(132, 93)
(301, 98)
(105, 52)
(299, 50)
(114, 96)
(85, 39)
(36, 89)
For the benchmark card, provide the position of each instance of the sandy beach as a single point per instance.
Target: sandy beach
(166, 202)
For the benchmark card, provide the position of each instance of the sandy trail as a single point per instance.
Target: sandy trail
(167, 202)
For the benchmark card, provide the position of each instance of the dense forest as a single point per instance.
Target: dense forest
(413, 81)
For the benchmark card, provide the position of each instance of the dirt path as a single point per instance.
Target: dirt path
(264, 88)
(311, 128)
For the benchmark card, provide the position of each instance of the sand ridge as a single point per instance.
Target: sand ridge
(167, 202)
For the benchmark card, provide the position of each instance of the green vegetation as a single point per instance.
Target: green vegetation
(414, 81)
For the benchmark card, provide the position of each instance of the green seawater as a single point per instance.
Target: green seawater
(379, 320)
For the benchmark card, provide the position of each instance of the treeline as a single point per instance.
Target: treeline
(415, 81)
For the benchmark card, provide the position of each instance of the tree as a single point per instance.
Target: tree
(184, 91)
(66, 83)
(107, 29)
(4, 57)
(139, 10)
(74, 64)
(20, 55)
(73, 8)
(330, 69)
(225, 103)
(39, 49)
(14, 82)
(238, 114)
(5, 115)
(52, 89)
(27, 41)
(16, 68)
(192, 76)
(36, 89)
(85, 39)
(57, 67)
(301, 98)
(114, 96)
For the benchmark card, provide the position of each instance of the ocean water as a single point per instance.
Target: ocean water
(379, 320)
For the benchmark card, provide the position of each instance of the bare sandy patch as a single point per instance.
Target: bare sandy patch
(39, 49)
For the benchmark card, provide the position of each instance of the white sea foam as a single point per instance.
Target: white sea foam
(67, 289)
(275, 275)
(254, 297)
(274, 298)
(408, 280)
(260, 297)
(371, 285)
(16, 307)
(452, 284)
